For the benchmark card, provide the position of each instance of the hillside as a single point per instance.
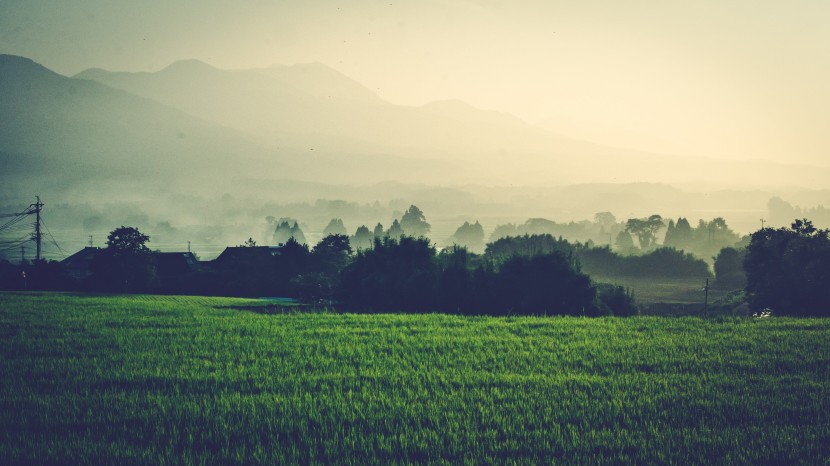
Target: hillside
(311, 105)
(58, 130)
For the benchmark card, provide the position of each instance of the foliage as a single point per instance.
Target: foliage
(126, 263)
(334, 227)
(788, 270)
(287, 229)
(729, 268)
(414, 223)
(183, 380)
(616, 300)
(396, 274)
(362, 238)
(470, 236)
(660, 262)
(527, 245)
(395, 231)
(645, 229)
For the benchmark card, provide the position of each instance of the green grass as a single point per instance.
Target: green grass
(658, 295)
(181, 380)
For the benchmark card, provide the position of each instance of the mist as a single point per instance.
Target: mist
(199, 126)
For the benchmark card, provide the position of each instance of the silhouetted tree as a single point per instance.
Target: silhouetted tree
(547, 284)
(362, 238)
(470, 236)
(378, 232)
(729, 270)
(645, 229)
(335, 227)
(396, 274)
(624, 242)
(414, 222)
(788, 270)
(455, 283)
(126, 263)
(320, 280)
(395, 231)
(616, 300)
(286, 229)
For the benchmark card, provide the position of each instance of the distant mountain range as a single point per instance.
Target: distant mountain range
(193, 124)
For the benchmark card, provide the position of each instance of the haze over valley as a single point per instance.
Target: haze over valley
(191, 141)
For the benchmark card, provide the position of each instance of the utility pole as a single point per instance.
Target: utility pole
(38, 236)
(763, 220)
(706, 298)
(188, 247)
(90, 241)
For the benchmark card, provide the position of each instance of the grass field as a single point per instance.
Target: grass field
(181, 380)
(658, 296)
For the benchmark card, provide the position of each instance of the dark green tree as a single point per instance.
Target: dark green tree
(788, 270)
(729, 268)
(126, 263)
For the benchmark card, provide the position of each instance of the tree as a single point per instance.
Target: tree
(729, 270)
(395, 231)
(250, 243)
(605, 219)
(335, 227)
(645, 229)
(396, 274)
(788, 270)
(414, 223)
(362, 238)
(378, 232)
(126, 263)
(287, 229)
(470, 235)
(329, 257)
(624, 242)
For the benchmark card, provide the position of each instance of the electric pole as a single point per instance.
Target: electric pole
(706, 298)
(38, 236)
(763, 220)
(90, 241)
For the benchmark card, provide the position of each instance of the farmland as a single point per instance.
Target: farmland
(184, 380)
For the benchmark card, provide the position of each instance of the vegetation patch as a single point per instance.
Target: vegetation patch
(191, 380)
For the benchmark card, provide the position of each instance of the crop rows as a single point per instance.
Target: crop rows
(181, 380)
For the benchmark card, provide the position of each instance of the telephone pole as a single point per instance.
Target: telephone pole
(706, 298)
(763, 220)
(38, 236)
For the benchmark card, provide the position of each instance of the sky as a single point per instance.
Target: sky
(724, 79)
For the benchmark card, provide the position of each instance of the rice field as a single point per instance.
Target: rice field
(188, 380)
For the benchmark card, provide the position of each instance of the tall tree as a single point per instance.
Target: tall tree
(414, 222)
(645, 229)
(126, 263)
(788, 270)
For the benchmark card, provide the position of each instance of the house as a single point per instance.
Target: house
(78, 266)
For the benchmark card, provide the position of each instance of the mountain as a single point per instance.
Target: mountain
(306, 106)
(66, 130)
(293, 106)
(81, 136)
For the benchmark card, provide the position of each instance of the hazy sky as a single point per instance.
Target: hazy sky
(735, 79)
